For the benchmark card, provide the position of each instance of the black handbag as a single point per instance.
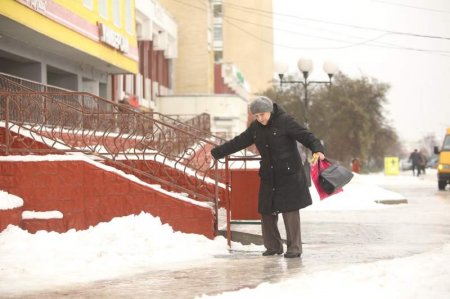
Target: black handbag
(334, 177)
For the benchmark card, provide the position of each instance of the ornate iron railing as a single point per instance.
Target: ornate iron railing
(156, 148)
(198, 125)
(81, 122)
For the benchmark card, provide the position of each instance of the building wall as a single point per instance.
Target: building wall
(194, 67)
(62, 43)
(87, 195)
(156, 31)
(248, 40)
(75, 25)
(153, 79)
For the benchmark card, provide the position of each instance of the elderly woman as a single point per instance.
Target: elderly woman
(283, 183)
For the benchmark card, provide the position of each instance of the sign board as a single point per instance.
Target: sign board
(113, 38)
(391, 166)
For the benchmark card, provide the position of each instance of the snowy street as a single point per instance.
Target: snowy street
(352, 245)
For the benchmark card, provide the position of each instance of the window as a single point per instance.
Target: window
(218, 56)
(103, 9)
(128, 16)
(89, 4)
(117, 16)
(138, 30)
(446, 145)
(217, 10)
(218, 32)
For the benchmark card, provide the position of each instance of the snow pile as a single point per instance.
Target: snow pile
(42, 215)
(359, 194)
(123, 246)
(9, 201)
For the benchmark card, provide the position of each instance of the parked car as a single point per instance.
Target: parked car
(405, 164)
(433, 161)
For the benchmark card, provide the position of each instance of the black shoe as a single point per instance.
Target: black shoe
(291, 255)
(271, 252)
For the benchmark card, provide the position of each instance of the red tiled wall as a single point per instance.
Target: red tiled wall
(87, 195)
(114, 145)
(21, 142)
(170, 174)
(13, 216)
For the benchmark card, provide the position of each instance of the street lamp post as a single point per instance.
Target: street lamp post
(305, 66)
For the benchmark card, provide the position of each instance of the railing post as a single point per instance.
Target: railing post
(45, 110)
(216, 197)
(82, 113)
(98, 122)
(227, 186)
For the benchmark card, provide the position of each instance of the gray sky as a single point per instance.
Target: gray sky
(419, 98)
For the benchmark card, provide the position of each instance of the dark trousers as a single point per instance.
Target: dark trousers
(271, 234)
(414, 168)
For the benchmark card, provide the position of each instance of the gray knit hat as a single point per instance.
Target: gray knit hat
(260, 105)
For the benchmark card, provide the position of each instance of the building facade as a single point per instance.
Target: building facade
(194, 68)
(243, 36)
(156, 32)
(232, 32)
(73, 45)
(225, 53)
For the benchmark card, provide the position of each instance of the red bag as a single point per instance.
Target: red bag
(324, 164)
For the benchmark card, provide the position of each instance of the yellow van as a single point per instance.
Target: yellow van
(444, 162)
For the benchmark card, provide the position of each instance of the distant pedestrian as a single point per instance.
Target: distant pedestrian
(422, 163)
(356, 166)
(124, 105)
(414, 158)
(283, 183)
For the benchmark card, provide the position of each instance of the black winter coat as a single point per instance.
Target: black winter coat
(283, 184)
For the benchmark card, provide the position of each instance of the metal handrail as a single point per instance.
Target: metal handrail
(13, 83)
(39, 122)
(71, 121)
(148, 145)
(189, 119)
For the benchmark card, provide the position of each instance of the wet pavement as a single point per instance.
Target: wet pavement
(331, 240)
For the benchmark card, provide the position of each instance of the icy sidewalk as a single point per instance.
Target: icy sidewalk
(334, 239)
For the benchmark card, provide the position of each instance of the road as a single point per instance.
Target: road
(331, 240)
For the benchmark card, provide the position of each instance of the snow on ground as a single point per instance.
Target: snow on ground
(361, 193)
(126, 245)
(133, 244)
